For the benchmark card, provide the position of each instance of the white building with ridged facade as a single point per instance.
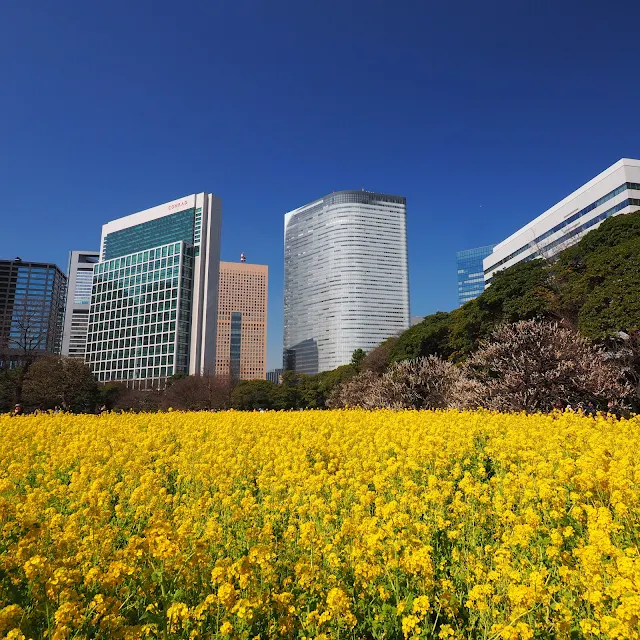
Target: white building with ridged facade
(346, 283)
(614, 192)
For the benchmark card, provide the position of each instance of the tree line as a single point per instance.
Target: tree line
(51, 383)
(530, 365)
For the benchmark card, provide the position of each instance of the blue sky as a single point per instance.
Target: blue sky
(482, 114)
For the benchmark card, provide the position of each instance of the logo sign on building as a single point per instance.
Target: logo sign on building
(178, 205)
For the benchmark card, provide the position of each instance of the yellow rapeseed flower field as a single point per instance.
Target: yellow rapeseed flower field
(336, 524)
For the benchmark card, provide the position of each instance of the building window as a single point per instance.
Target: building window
(235, 347)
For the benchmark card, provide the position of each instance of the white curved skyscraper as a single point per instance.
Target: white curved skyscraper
(346, 283)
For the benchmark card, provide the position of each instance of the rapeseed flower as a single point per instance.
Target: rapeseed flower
(320, 524)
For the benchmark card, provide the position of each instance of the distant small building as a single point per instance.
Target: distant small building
(76, 315)
(470, 272)
(275, 376)
(416, 320)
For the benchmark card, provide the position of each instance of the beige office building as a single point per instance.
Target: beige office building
(241, 351)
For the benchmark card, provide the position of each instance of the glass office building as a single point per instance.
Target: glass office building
(32, 297)
(76, 315)
(155, 294)
(470, 272)
(275, 375)
(346, 283)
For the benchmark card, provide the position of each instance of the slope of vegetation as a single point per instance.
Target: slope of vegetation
(593, 286)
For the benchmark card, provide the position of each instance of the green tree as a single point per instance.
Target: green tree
(429, 337)
(378, 359)
(598, 278)
(289, 391)
(593, 285)
(255, 394)
(9, 384)
(522, 292)
(356, 359)
(66, 382)
(315, 390)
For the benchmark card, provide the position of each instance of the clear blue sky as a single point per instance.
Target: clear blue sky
(482, 114)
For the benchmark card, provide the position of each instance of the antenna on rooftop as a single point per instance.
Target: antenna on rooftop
(243, 258)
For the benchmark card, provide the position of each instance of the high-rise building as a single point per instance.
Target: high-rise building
(242, 320)
(32, 296)
(346, 283)
(76, 315)
(154, 301)
(613, 192)
(471, 273)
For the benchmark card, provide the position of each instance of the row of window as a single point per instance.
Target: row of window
(119, 340)
(144, 303)
(126, 329)
(144, 307)
(126, 361)
(140, 266)
(570, 220)
(131, 374)
(153, 233)
(126, 345)
(169, 278)
(117, 321)
(567, 237)
(141, 329)
(166, 251)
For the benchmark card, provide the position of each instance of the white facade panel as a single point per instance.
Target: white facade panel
(76, 316)
(615, 191)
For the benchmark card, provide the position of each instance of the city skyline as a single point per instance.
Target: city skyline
(614, 201)
(465, 110)
(467, 289)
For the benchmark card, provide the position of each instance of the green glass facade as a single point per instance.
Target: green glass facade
(154, 233)
(140, 315)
